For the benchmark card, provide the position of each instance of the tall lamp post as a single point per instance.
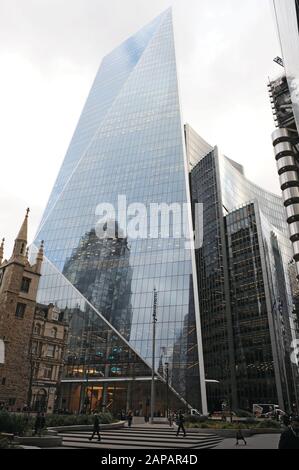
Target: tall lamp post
(153, 356)
(167, 388)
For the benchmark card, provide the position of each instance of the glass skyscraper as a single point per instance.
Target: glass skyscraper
(224, 308)
(245, 294)
(129, 141)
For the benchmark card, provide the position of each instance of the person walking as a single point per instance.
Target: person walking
(40, 423)
(96, 427)
(171, 418)
(180, 423)
(285, 419)
(289, 439)
(239, 436)
(37, 424)
(130, 418)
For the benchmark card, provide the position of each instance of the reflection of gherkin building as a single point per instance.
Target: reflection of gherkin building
(129, 140)
(91, 269)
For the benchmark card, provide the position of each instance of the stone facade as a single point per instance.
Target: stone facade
(18, 289)
(49, 338)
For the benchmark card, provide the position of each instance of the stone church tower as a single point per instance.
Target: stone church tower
(18, 289)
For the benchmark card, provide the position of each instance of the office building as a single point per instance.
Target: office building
(284, 94)
(129, 141)
(245, 295)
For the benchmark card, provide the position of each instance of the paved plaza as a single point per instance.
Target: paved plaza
(141, 437)
(258, 441)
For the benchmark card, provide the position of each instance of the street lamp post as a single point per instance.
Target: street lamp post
(167, 388)
(153, 356)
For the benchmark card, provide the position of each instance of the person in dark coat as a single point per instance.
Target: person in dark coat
(285, 419)
(290, 437)
(239, 436)
(40, 423)
(37, 424)
(180, 423)
(96, 427)
(130, 418)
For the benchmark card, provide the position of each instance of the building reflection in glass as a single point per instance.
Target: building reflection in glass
(100, 270)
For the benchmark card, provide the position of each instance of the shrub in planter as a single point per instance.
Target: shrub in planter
(106, 418)
(196, 419)
(76, 420)
(4, 444)
(192, 425)
(250, 421)
(243, 413)
(269, 423)
(15, 423)
(203, 426)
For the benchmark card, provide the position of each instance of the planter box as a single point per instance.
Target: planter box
(6, 435)
(86, 427)
(44, 441)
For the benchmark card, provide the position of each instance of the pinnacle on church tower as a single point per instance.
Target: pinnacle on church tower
(40, 257)
(21, 240)
(2, 250)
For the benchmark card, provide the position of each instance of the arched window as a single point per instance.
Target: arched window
(54, 332)
(37, 329)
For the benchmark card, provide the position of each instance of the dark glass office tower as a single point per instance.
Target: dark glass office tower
(128, 141)
(245, 294)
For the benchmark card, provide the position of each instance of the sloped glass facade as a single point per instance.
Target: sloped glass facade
(129, 141)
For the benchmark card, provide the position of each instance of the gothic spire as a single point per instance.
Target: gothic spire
(2, 250)
(21, 240)
(40, 257)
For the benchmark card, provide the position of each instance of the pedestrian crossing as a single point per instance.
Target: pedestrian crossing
(141, 437)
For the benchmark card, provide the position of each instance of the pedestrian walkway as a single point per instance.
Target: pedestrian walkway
(258, 441)
(141, 437)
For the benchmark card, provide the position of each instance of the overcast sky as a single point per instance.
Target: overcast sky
(50, 51)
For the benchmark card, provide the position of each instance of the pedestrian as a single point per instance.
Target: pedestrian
(96, 427)
(289, 439)
(146, 418)
(285, 419)
(180, 423)
(130, 418)
(239, 436)
(171, 418)
(37, 424)
(40, 423)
